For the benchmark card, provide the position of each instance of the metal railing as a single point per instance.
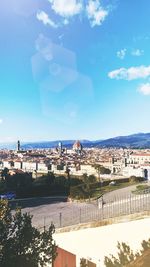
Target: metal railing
(100, 210)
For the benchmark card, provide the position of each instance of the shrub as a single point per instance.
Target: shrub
(136, 179)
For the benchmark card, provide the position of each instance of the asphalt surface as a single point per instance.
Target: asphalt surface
(62, 213)
(52, 209)
(120, 193)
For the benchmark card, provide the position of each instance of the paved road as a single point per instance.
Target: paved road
(37, 201)
(132, 204)
(56, 209)
(63, 213)
(120, 193)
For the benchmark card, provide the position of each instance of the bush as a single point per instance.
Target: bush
(122, 180)
(75, 181)
(3, 188)
(142, 187)
(136, 179)
(92, 178)
(78, 192)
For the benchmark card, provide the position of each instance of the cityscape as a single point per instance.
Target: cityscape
(78, 185)
(79, 160)
(74, 133)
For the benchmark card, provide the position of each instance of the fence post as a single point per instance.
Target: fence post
(80, 216)
(44, 223)
(102, 210)
(101, 205)
(130, 205)
(60, 219)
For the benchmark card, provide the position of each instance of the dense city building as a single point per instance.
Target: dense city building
(79, 160)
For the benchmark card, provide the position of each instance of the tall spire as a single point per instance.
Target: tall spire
(18, 145)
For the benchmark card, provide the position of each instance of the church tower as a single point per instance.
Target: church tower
(18, 145)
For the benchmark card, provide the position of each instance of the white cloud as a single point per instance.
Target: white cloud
(42, 16)
(66, 8)
(95, 12)
(121, 54)
(145, 89)
(1, 121)
(132, 73)
(137, 52)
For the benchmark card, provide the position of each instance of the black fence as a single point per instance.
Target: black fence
(99, 210)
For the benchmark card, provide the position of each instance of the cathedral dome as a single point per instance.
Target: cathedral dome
(77, 146)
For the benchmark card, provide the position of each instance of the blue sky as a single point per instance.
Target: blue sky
(74, 69)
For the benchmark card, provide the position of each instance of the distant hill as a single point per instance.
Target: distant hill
(53, 144)
(139, 140)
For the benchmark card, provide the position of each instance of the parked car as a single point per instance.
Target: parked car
(8, 196)
(112, 183)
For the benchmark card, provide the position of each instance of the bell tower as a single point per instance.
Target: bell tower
(18, 145)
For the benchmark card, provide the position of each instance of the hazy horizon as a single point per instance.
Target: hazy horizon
(69, 139)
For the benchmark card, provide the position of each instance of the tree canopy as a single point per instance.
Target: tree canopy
(127, 258)
(101, 169)
(21, 244)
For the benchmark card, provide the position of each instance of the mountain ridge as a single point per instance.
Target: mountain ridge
(137, 140)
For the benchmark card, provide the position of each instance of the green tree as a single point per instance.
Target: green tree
(125, 256)
(87, 182)
(21, 244)
(104, 170)
(92, 178)
(4, 173)
(3, 187)
(88, 179)
(135, 179)
(69, 180)
(98, 170)
(85, 178)
(19, 182)
(50, 178)
(83, 263)
(101, 170)
(107, 171)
